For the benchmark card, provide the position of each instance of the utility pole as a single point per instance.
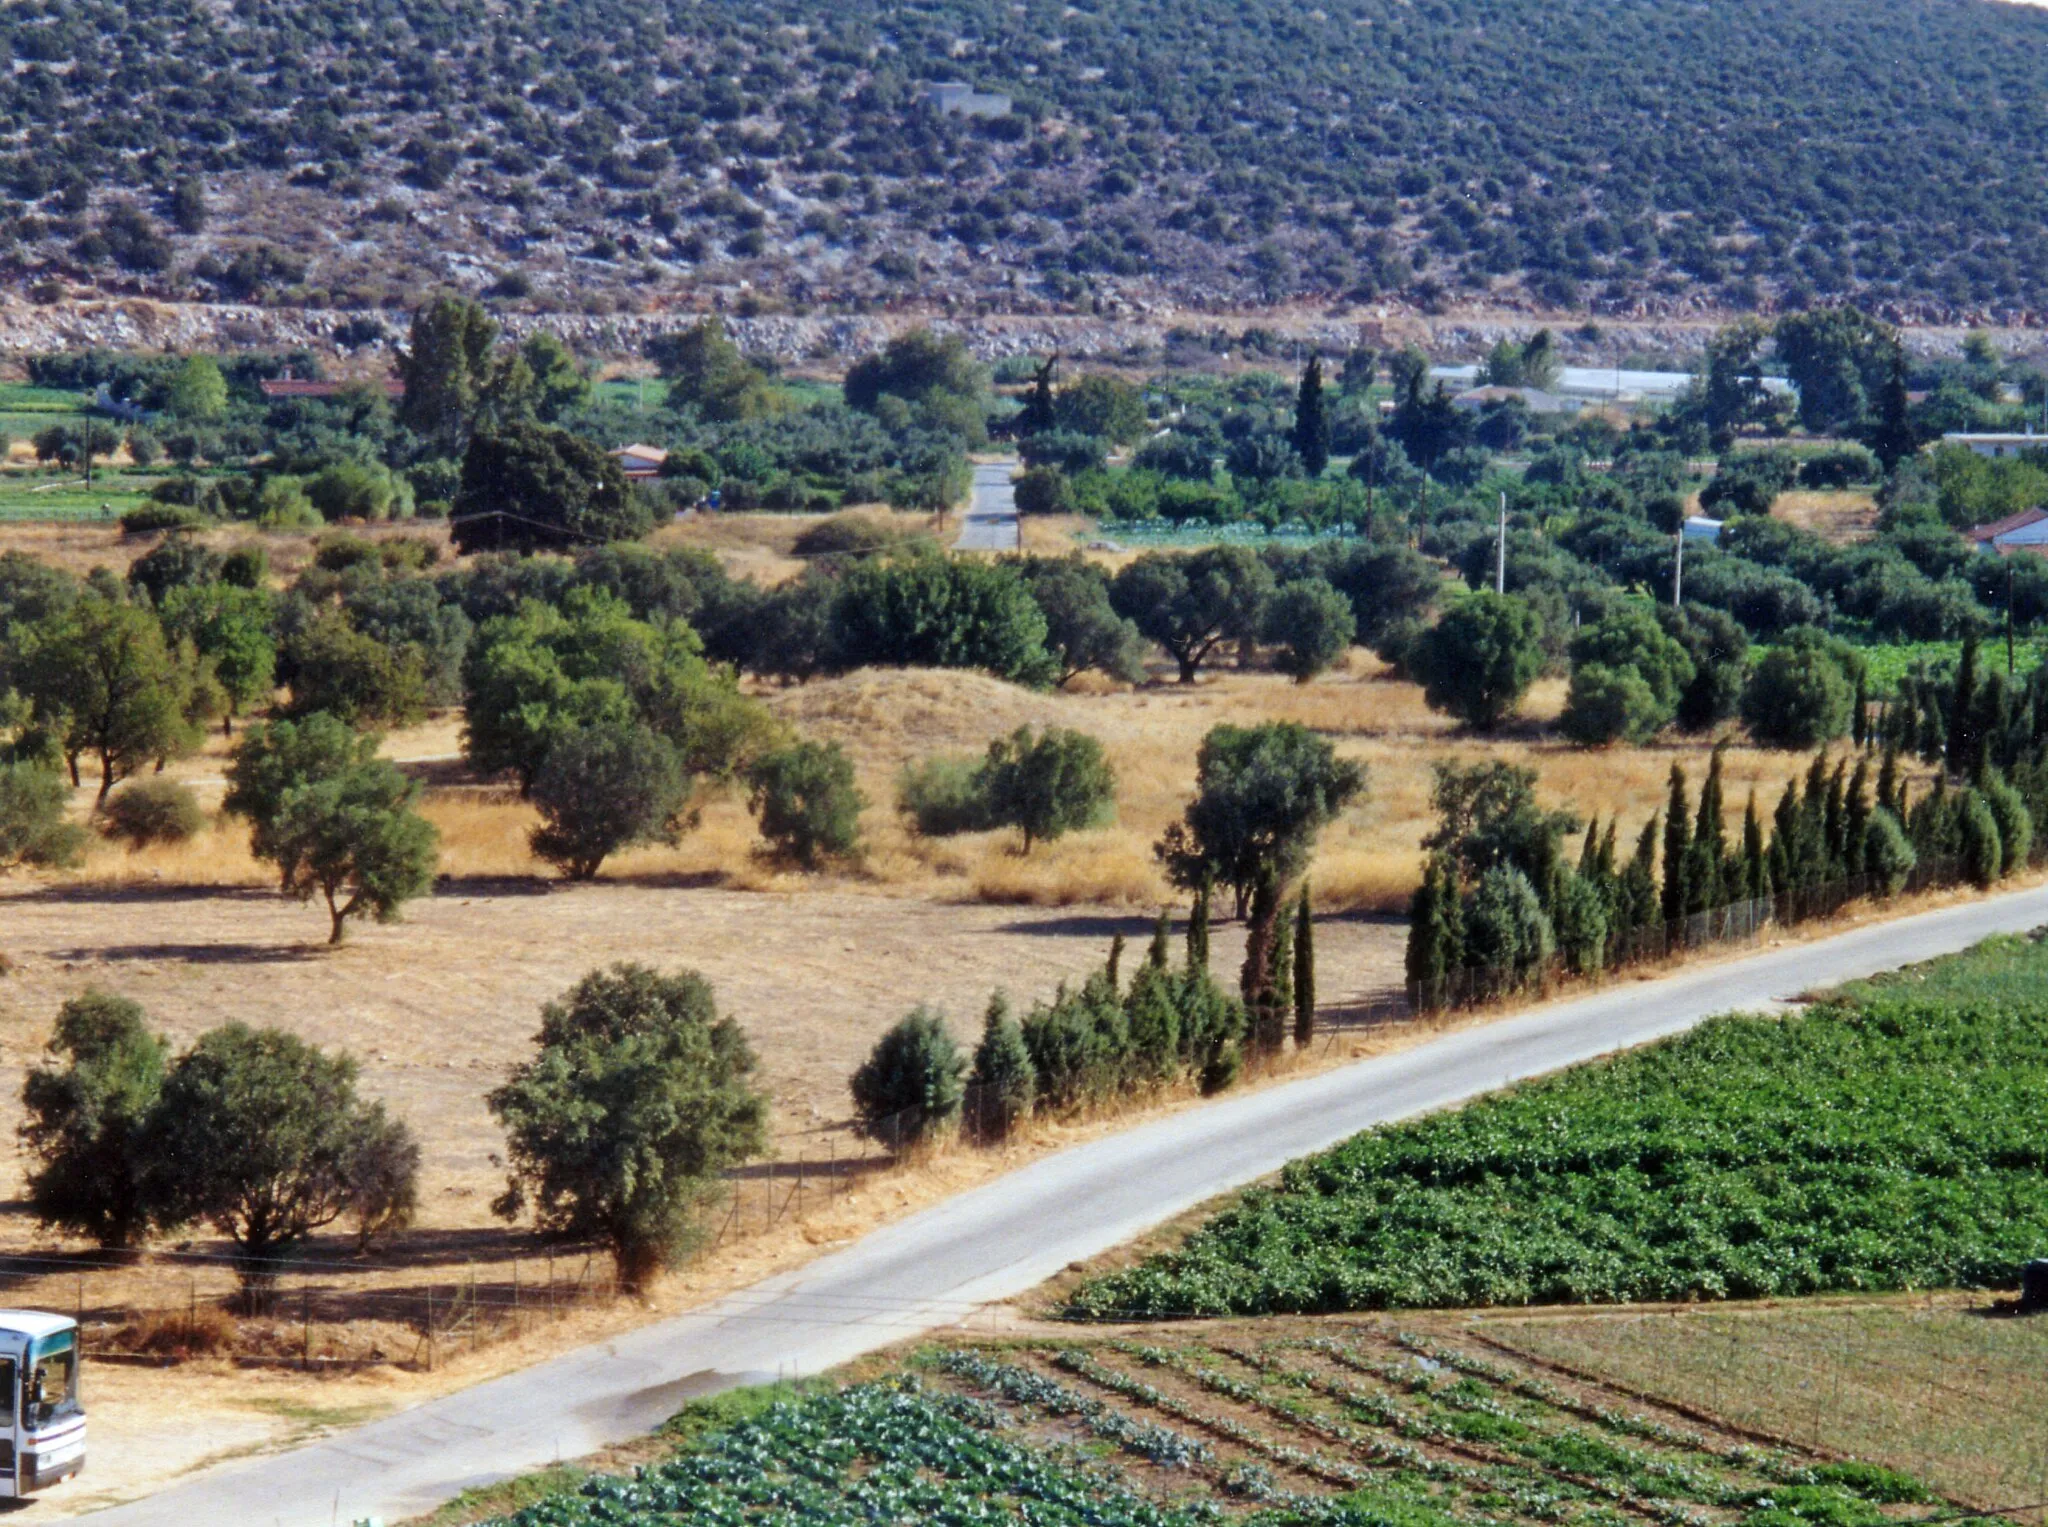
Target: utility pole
(1500, 551)
(1678, 569)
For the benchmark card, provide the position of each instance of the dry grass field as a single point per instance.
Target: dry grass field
(815, 967)
(1948, 1388)
(1843, 517)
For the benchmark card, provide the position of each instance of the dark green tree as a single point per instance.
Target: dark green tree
(87, 1117)
(532, 488)
(605, 788)
(910, 1086)
(1047, 785)
(1312, 625)
(1192, 604)
(1310, 436)
(1002, 1083)
(1304, 971)
(447, 366)
(1677, 897)
(259, 1134)
(1262, 794)
(619, 1129)
(807, 803)
(1478, 661)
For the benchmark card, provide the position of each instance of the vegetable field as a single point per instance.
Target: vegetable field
(1890, 1138)
(1329, 1424)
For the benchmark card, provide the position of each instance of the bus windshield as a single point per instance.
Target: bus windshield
(51, 1391)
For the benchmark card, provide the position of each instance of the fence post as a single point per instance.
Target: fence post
(430, 1328)
(305, 1327)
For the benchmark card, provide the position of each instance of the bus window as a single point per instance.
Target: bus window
(6, 1394)
(52, 1389)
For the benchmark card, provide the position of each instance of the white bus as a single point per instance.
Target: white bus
(42, 1424)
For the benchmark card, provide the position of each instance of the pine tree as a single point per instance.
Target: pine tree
(1677, 842)
(1962, 712)
(1037, 414)
(1304, 971)
(1311, 436)
(1198, 930)
(1892, 435)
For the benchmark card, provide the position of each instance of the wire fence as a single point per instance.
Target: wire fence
(1736, 923)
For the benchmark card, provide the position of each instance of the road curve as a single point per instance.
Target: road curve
(990, 523)
(995, 1242)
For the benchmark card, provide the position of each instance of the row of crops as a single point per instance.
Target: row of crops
(1327, 1428)
(1888, 1139)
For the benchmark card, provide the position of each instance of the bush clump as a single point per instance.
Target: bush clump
(146, 812)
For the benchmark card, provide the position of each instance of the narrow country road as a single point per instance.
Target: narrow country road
(996, 1242)
(991, 520)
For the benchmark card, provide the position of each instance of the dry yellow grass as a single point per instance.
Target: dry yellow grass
(1843, 517)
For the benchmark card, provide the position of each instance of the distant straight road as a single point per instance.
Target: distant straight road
(991, 521)
(998, 1241)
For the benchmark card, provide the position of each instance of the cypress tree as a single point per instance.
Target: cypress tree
(1786, 856)
(1856, 816)
(1435, 930)
(1589, 851)
(1812, 842)
(1755, 868)
(1255, 977)
(1835, 823)
(1162, 931)
(1636, 898)
(1962, 711)
(1607, 849)
(1888, 779)
(1859, 719)
(1114, 970)
(1311, 437)
(1677, 843)
(1705, 877)
(1304, 971)
(1198, 930)
(1003, 1080)
(1282, 997)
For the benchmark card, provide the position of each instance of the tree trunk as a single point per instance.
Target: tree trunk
(106, 779)
(1188, 664)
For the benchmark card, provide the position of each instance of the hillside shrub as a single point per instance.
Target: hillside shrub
(145, 812)
(807, 804)
(33, 826)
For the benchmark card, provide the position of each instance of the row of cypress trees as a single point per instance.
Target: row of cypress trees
(1836, 834)
(1169, 1023)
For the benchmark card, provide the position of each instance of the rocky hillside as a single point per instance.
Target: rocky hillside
(1627, 157)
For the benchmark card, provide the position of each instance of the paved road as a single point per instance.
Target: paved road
(998, 1241)
(991, 522)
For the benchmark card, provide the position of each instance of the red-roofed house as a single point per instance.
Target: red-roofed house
(1991, 536)
(298, 387)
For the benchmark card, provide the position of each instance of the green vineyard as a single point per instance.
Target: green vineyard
(1888, 1140)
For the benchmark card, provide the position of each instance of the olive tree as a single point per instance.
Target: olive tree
(1046, 785)
(604, 788)
(1262, 793)
(334, 818)
(1312, 625)
(807, 803)
(260, 1135)
(640, 1095)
